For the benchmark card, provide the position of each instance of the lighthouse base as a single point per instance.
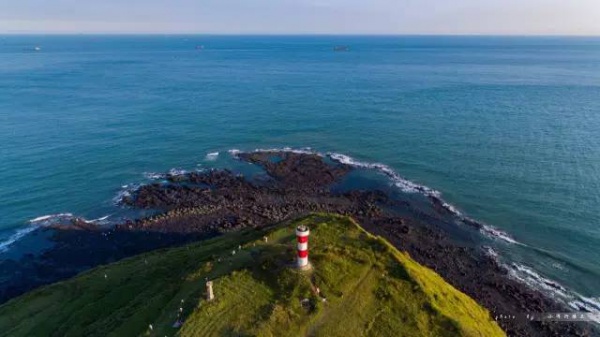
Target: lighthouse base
(307, 266)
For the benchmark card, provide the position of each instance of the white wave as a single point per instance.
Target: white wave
(305, 150)
(125, 192)
(4, 245)
(40, 221)
(129, 189)
(154, 176)
(212, 156)
(118, 199)
(451, 209)
(51, 218)
(586, 303)
(534, 280)
(410, 187)
(177, 172)
(404, 184)
(529, 275)
(495, 233)
(234, 152)
(46, 220)
(162, 176)
(489, 251)
(102, 220)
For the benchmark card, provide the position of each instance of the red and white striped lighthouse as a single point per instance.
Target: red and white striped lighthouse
(302, 234)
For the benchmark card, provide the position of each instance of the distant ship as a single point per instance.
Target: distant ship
(341, 48)
(37, 48)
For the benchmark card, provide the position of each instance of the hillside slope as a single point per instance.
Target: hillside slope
(366, 287)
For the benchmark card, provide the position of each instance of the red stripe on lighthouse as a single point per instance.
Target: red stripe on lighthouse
(302, 253)
(302, 233)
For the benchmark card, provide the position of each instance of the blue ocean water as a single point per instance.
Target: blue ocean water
(507, 128)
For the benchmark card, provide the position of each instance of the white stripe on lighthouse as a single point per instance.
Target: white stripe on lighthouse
(302, 261)
(302, 233)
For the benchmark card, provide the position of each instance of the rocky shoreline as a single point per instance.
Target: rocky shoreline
(199, 205)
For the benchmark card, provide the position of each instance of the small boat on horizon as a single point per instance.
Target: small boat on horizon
(341, 48)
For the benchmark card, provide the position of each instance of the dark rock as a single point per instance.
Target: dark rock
(199, 205)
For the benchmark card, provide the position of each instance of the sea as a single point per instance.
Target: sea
(505, 129)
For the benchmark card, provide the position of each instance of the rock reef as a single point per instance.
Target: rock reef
(198, 205)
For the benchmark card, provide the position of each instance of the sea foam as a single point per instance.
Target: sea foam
(47, 220)
(531, 278)
(162, 175)
(495, 233)
(100, 221)
(125, 192)
(5, 245)
(154, 176)
(234, 152)
(402, 183)
(52, 219)
(305, 150)
(408, 186)
(177, 172)
(212, 156)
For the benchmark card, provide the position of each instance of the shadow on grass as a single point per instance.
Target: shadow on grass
(74, 250)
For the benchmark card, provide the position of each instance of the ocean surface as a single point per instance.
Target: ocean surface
(507, 129)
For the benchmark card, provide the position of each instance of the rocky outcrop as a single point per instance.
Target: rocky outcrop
(198, 205)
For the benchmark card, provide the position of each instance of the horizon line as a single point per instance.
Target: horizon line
(291, 34)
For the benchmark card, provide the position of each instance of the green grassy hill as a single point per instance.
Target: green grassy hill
(367, 287)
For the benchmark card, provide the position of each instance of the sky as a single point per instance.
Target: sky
(487, 17)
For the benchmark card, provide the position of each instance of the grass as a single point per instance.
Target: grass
(369, 287)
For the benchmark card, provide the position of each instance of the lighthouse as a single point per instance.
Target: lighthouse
(302, 233)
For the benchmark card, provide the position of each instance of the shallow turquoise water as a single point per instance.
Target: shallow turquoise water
(506, 128)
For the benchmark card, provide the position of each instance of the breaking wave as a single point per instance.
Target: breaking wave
(305, 150)
(174, 172)
(5, 245)
(212, 156)
(61, 218)
(495, 233)
(177, 172)
(126, 191)
(100, 221)
(234, 152)
(534, 280)
(402, 183)
(489, 251)
(410, 187)
(154, 176)
(47, 220)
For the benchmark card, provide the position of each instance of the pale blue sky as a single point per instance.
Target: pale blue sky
(546, 17)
